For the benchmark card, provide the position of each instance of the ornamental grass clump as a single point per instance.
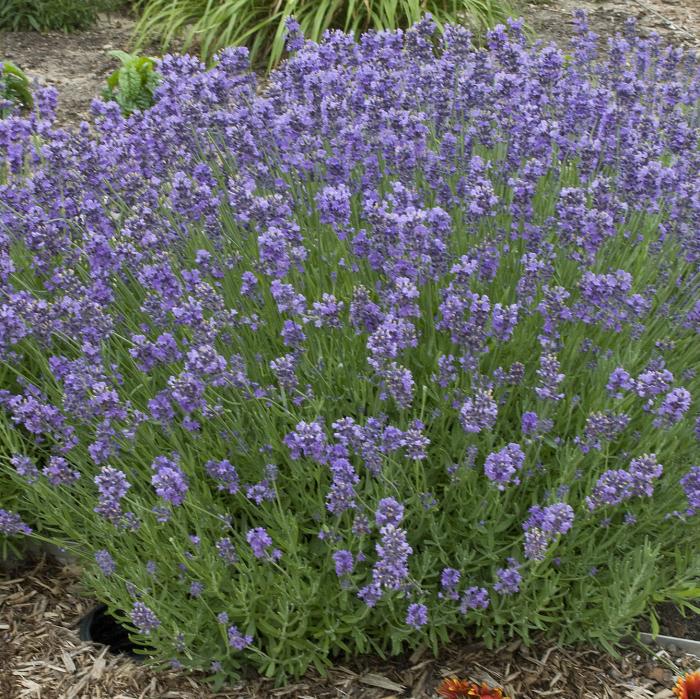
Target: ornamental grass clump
(212, 25)
(404, 347)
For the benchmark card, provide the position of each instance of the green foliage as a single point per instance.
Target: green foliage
(53, 15)
(11, 490)
(132, 85)
(259, 25)
(10, 500)
(47, 15)
(14, 88)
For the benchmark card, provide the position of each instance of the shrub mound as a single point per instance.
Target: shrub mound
(403, 347)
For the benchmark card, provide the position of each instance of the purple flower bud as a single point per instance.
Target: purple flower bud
(59, 472)
(223, 472)
(479, 413)
(25, 467)
(509, 580)
(344, 563)
(112, 486)
(675, 405)
(105, 562)
(529, 422)
(449, 581)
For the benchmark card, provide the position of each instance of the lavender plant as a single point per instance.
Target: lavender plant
(403, 347)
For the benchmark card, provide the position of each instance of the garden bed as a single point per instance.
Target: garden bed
(42, 656)
(78, 64)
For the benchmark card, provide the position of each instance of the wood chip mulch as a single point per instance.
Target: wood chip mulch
(41, 657)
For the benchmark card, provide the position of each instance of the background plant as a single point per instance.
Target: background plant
(47, 15)
(132, 86)
(403, 347)
(14, 89)
(212, 26)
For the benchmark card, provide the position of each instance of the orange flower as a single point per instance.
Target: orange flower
(452, 688)
(483, 691)
(688, 687)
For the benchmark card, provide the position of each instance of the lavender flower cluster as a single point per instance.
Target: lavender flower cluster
(395, 345)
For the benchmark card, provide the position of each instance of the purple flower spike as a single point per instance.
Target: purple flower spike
(674, 407)
(612, 488)
(223, 472)
(143, 618)
(236, 639)
(389, 511)
(529, 422)
(509, 579)
(25, 467)
(417, 615)
(501, 466)
(479, 413)
(59, 472)
(259, 541)
(344, 563)
(105, 562)
(474, 598)
(691, 486)
(169, 481)
(11, 524)
(644, 471)
(112, 486)
(449, 580)
(391, 568)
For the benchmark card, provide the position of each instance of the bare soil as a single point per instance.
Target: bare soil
(76, 64)
(674, 622)
(676, 21)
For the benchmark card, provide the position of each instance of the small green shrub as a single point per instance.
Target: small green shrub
(14, 89)
(133, 84)
(47, 15)
(53, 15)
(259, 25)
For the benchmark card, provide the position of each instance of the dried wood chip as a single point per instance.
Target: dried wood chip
(68, 662)
(382, 682)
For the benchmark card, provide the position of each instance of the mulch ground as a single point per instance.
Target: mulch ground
(41, 657)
